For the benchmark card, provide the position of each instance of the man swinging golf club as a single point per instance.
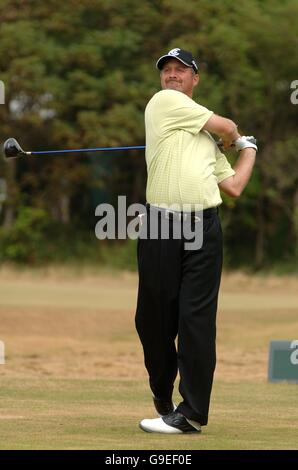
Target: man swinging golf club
(178, 287)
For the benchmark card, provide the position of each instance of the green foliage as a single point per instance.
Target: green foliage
(79, 74)
(24, 241)
(35, 239)
(119, 255)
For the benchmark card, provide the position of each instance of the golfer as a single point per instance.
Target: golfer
(178, 286)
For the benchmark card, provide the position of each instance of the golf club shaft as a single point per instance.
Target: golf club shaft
(12, 149)
(97, 149)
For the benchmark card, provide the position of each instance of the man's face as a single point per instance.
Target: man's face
(177, 76)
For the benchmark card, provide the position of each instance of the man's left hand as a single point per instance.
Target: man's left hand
(244, 142)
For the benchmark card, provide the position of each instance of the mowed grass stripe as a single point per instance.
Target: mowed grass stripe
(104, 414)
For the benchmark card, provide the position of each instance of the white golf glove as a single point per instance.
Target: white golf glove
(245, 141)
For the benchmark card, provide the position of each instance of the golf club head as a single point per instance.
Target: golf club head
(12, 149)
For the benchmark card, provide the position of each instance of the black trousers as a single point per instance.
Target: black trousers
(177, 298)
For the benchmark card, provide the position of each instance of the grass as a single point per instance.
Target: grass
(104, 414)
(74, 375)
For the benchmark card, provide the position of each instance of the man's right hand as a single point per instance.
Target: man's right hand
(226, 144)
(240, 143)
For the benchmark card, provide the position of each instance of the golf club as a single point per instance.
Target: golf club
(12, 149)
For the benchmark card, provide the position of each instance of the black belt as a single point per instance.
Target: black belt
(182, 216)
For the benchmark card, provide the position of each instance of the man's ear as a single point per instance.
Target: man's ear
(196, 79)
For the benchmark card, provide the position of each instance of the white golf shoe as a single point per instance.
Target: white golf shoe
(173, 423)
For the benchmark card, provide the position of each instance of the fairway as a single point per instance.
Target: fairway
(74, 375)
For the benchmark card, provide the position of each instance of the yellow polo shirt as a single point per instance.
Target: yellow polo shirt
(184, 164)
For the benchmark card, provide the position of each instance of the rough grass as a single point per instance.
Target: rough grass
(74, 375)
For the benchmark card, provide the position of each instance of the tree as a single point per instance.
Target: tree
(79, 74)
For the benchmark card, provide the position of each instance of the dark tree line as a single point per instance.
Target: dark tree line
(79, 73)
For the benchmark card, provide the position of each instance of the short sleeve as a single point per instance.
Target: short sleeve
(179, 112)
(223, 168)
